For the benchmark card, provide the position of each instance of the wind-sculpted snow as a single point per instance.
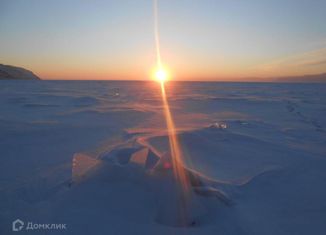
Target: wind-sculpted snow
(147, 168)
(95, 155)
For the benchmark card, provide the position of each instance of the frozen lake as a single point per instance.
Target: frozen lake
(272, 154)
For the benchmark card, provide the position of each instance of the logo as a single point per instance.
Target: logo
(17, 225)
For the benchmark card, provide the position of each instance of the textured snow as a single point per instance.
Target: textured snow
(95, 155)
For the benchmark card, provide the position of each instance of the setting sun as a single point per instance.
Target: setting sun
(161, 75)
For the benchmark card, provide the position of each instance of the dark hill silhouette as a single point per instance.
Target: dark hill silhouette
(8, 72)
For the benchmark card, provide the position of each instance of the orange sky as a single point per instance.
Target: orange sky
(199, 40)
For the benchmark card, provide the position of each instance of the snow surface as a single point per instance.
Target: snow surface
(95, 156)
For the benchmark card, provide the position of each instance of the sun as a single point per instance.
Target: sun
(161, 75)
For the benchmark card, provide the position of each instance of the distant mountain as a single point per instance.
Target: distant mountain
(16, 73)
(304, 78)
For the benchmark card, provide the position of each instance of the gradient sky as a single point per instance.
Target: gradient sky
(200, 39)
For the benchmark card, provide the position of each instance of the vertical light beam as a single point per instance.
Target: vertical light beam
(179, 172)
(176, 153)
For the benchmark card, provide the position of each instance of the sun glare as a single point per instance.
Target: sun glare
(161, 75)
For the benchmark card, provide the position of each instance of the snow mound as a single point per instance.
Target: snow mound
(176, 206)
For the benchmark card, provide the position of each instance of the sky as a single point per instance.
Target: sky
(199, 39)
